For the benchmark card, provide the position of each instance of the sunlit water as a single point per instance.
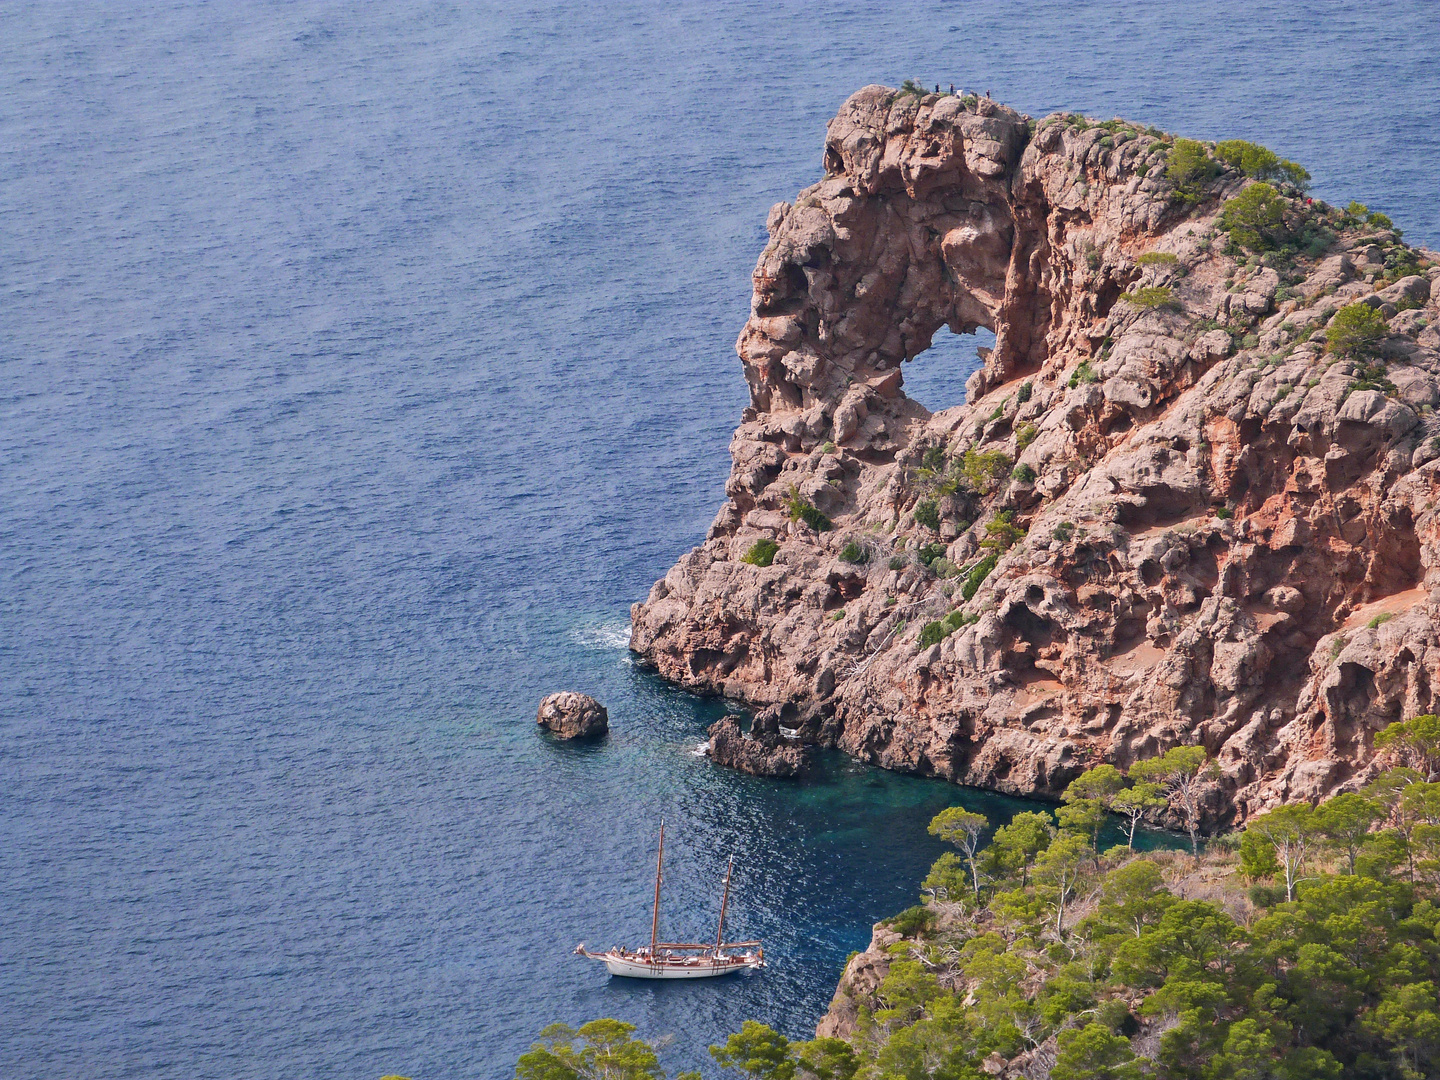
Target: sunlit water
(359, 366)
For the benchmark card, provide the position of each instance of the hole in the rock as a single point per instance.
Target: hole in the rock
(936, 378)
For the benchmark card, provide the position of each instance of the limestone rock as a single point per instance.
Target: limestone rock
(858, 983)
(760, 753)
(569, 715)
(1198, 512)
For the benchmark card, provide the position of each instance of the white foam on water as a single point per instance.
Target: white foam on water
(606, 637)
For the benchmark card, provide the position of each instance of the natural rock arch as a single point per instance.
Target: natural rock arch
(1197, 526)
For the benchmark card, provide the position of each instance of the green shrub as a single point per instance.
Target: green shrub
(1026, 435)
(1024, 473)
(1266, 896)
(1255, 218)
(1084, 373)
(943, 568)
(1142, 169)
(930, 552)
(1026, 391)
(927, 513)
(1401, 263)
(932, 633)
(854, 553)
(1189, 169)
(1064, 531)
(1315, 241)
(912, 921)
(1001, 532)
(978, 573)
(761, 553)
(1224, 513)
(1372, 376)
(1380, 620)
(827, 448)
(1158, 258)
(1262, 164)
(910, 86)
(800, 508)
(898, 562)
(1355, 330)
(1150, 297)
(983, 470)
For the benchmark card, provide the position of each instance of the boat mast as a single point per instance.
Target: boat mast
(655, 922)
(724, 899)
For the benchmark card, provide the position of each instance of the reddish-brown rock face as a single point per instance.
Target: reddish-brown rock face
(571, 715)
(1221, 534)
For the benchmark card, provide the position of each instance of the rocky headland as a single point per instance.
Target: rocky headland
(1177, 508)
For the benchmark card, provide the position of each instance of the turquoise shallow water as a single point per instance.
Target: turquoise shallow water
(358, 368)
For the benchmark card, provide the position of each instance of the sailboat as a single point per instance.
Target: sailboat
(680, 960)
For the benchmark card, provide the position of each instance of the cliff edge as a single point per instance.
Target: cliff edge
(1177, 508)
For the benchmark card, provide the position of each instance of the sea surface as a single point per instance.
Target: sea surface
(360, 365)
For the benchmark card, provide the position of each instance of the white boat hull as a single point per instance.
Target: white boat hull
(681, 960)
(704, 969)
(631, 965)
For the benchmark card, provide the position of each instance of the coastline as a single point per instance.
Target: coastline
(1169, 514)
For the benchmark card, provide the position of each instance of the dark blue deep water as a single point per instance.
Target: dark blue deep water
(359, 366)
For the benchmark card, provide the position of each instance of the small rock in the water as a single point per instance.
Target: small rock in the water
(759, 754)
(573, 716)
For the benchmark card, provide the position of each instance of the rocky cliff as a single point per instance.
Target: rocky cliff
(1169, 512)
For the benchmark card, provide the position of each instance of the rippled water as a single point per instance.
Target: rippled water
(359, 366)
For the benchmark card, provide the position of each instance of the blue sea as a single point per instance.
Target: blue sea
(360, 365)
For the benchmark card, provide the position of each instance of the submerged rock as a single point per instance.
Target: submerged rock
(570, 715)
(1165, 515)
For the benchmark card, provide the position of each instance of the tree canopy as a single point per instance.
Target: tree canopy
(1306, 947)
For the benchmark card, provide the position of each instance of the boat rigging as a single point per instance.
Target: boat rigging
(681, 960)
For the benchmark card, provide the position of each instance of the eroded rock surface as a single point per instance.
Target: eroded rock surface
(1217, 532)
(863, 974)
(763, 751)
(569, 715)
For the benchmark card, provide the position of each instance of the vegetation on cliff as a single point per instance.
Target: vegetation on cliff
(1194, 484)
(1306, 947)
(1192, 494)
